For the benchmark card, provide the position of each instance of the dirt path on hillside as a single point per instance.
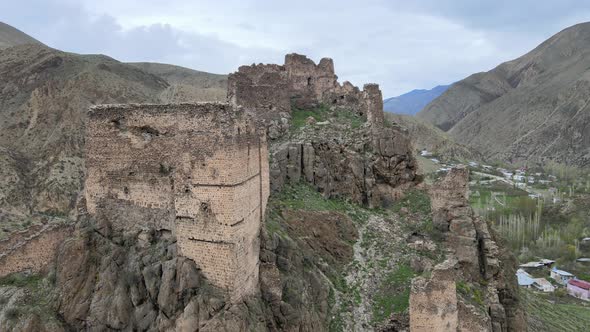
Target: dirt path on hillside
(375, 255)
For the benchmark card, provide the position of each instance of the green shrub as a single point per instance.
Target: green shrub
(299, 116)
(20, 280)
(394, 293)
(12, 313)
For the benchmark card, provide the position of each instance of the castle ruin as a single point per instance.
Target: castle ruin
(199, 171)
(369, 169)
(272, 89)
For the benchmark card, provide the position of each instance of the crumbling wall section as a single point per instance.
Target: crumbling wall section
(373, 103)
(473, 256)
(433, 302)
(197, 170)
(309, 83)
(33, 250)
(273, 89)
(263, 87)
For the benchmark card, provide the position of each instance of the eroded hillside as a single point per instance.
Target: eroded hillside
(174, 220)
(531, 109)
(43, 104)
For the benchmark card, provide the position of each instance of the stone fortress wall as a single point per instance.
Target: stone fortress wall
(32, 249)
(336, 166)
(473, 258)
(198, 170)
(272, 89)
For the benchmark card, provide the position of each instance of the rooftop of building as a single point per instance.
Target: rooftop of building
(580, 284)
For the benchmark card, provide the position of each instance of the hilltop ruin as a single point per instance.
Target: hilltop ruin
(369, 165)
(199, 171)
(273, 89)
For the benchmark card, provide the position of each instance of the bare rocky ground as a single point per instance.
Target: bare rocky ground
(394, 246)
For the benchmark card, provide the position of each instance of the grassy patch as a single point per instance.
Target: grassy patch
(416, 201)
(38, 300)
(299, 116)
(394, 295)
(547, 314)
(304, 197)
(20, 280)
(349, 117)
(323, 113)
(470, 292)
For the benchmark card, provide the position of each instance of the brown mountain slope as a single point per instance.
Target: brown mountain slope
(10, 36)
(187, 84)
(427, 137)
(44, 96)
(533, 108)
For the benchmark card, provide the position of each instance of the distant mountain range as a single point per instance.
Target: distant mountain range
(531, 109)
(414, 101)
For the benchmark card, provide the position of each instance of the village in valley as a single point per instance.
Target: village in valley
(542, 215)
(574, 287)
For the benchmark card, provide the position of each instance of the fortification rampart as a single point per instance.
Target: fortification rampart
(473, 260)
(33, 249)
(335, 169)
(197, 170)
(273, 89)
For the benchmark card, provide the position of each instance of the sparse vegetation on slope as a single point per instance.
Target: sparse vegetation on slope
(531, 109)
(548, 313)
(373, 284)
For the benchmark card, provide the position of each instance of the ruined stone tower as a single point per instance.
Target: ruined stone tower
(271, 89)
(199, 171)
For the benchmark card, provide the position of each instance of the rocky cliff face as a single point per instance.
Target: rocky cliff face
(104, 280)
(474, 288)
(352, 153)
(350, 164)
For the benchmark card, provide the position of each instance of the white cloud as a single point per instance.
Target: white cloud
(401, 45)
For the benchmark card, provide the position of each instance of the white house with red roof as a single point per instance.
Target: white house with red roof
(579, 288)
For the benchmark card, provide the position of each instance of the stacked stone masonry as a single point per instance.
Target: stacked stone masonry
(197, 170)
(336, 167)
(472, 257)
(273, 89)
(32, 249)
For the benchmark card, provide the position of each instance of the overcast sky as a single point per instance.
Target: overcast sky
(402, 45)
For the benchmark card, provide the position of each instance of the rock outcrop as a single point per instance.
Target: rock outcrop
(139, 283)
(369, 165)
(340, 166)
(196, 170)
(474, 289)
